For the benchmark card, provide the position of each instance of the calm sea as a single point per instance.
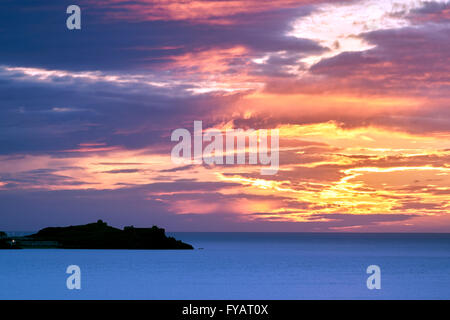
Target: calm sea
(240, 266)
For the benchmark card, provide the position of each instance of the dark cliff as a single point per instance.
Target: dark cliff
(101, 236)
(3, 241)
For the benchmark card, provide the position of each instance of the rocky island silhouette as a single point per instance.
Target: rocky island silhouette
(95, 236)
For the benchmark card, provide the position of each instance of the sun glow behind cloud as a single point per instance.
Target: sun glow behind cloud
(364, 180)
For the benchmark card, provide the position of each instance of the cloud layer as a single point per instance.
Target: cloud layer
(360, 98)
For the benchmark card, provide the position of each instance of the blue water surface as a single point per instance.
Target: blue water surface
(240, 266)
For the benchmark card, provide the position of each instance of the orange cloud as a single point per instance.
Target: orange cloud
(205, 11)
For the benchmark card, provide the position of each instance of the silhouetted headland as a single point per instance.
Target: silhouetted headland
(96, 236)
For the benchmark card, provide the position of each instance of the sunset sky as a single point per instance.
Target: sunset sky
(359, 91)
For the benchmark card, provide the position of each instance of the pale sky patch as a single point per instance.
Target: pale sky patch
(338, 26)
